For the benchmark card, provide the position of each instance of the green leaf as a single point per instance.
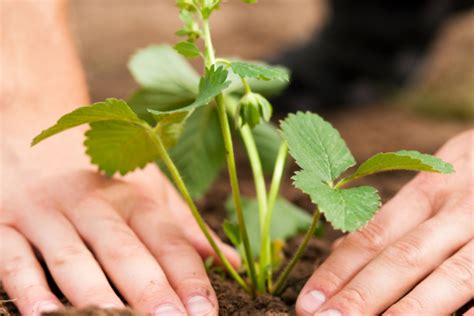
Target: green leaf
(144, 99)
(346, 209)
(120, 146)
(260, 71)
(268, 140)
(266, 88)
(187, 49)
(211, 85)
(169, 126)
(163, 70)
(232, 232)
(316, 146)
(287, 221)
(110, 109)
(401, 160)
(199, 154)
(187, 5)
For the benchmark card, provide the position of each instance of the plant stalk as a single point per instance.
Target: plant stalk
(272, 197)
(202, 225)
(261, 191)
(229, 147)
(284, 275)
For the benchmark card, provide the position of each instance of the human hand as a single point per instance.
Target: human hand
(88, 228)
(415, 257)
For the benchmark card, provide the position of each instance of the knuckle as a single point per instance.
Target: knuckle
(69, 253)
(193, 285)
(15, 266)
(355, 298)
(406, 253)
(153, 291)
(327, 279)
(407, 305)
(129, 248)
(371, 238)
(459, 270)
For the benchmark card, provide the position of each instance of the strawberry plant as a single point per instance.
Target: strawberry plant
(186, 122)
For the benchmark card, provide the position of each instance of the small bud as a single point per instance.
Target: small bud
(185, 5)
(252, 108)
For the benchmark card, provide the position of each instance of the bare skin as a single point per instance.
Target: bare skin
(415, 258)
(55, 207)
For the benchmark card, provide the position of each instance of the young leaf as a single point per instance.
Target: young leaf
(120, 146)
(169, 125)
(187, 49)
(401, 160)
(212, 84)
(144, 99)
(199, 154)
(316, 146)
(260, 71)
(110, 109)
(164, 71)
(288, 219)
(346, 209)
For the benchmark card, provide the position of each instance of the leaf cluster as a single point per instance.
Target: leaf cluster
(323, 156)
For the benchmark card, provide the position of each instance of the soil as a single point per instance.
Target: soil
(366, 130)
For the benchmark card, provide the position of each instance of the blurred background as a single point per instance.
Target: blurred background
(109, 31)
(435, 102)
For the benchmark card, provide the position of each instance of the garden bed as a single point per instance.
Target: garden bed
(365, 130)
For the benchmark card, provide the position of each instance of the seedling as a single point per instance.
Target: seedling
(183, 122)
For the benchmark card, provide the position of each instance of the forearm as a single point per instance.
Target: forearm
(41, 79)
(41, 73)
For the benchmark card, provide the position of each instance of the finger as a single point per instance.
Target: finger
(197, 239)
(166, 197)
(126, 260)
(400, 215)
(445, 290)
(398, 268)
(470, 312)
(22, 276)
(181, 262)
(72, 265)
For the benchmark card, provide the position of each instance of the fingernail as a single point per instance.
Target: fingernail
(312, 301)
(168, 310)
(199, 306)
(329, 312)
(46, 307)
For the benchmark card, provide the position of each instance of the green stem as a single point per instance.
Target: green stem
(272, 197)
(261, 191)
(246, 85)
(200, 221)
(284, 275)
(229, 147)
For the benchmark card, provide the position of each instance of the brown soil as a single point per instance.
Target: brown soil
(366, 130)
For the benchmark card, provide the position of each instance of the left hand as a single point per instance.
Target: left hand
(414, 258)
